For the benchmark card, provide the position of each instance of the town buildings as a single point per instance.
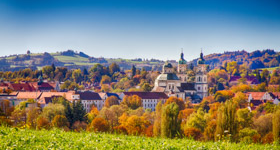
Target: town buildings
(175, 83)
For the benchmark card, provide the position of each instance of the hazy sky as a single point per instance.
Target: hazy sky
(139, 28)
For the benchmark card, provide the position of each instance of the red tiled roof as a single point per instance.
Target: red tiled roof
(276, 94)
(28, 95)
(148, 95)
(257, 95)
(22, 87)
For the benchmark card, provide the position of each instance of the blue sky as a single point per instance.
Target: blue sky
(139, 28)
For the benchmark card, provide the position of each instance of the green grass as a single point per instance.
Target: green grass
(68, 59)
(13, 138)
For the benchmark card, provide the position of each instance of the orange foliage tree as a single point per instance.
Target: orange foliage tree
(93, 113)
(178, 101)
(132, 102)
(136, 125)
(110, 101)
(99, 125)
(43, 123)
(193, 133)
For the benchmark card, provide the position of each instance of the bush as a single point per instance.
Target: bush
(193, 133)
(43, 123)
(120, 129)
(246, 135)
(5, 121)
(149, 131)
(79, 126)
(268, 138)
(60, 121)
(99, 125)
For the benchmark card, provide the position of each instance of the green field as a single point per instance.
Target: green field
(71, 59)
(13, 138)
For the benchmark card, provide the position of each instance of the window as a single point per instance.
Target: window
(198, 88)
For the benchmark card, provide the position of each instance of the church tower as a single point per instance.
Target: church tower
(182, 69)
(201, 85)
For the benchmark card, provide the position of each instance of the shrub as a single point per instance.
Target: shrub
(120, 129)
(60, 121)
(268, 138)
(99, 125)
(193, 133)
(43, 123)
(79, 126)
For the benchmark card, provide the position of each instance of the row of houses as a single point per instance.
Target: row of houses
(257, 98)
(88, 98)
(42, 86)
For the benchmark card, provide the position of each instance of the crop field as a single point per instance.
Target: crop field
(14, 138)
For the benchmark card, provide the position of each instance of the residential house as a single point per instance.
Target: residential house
(257, 98)
(149, 99)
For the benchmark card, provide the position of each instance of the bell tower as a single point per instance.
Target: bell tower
(201, 85)
(182, 68)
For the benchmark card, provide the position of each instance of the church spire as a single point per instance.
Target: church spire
(182, 60)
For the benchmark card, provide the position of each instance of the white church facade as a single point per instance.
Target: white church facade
(175, 83)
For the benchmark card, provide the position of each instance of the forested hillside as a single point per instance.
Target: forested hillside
(257, 59)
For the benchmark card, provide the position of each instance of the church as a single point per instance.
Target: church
(175, 83)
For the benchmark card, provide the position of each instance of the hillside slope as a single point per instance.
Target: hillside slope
(257, 59)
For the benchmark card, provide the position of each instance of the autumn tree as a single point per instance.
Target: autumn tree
(157, 120)
(132, 102)
(263, 124)
(105, 80)
(244, 118)
(276, 125)
(176, 100)
(93, 113)
(43, 123)
(52, 110)
(227, 123)
(77, 75)
(241, 99)
(32, 115)
(136, 125)
(196, 120)
(98, 125)
(113, 68)
(110, 101)
(209, 131)
(170, 124)
(60, 121)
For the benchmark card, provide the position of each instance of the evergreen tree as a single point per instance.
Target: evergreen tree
(69, 113)
(78, 111)
(53, 67)
(133, 71)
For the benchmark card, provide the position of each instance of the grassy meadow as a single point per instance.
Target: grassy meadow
(14, 138)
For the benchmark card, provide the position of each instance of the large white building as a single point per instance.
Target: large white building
(175, 83)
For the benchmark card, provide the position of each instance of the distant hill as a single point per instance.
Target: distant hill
(69, 59)
(73, 60)
(257, 59)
